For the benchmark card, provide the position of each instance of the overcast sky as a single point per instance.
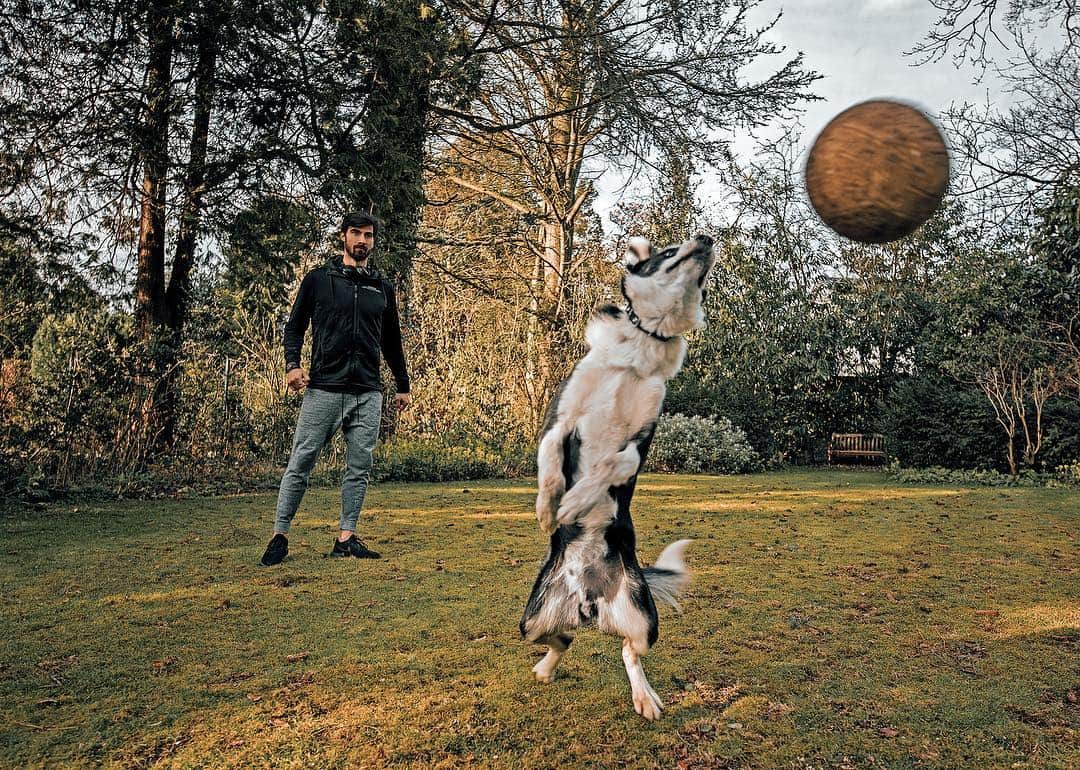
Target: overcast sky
(858, 46)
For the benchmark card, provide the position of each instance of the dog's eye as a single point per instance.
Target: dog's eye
(676, 263)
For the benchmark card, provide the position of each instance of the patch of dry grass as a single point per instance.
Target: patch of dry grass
(834, 620)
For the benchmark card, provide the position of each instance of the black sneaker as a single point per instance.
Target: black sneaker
(276, 551)
(353, 547)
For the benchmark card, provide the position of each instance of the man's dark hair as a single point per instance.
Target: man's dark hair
(360, 219)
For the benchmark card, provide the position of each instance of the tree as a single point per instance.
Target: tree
(992, 334)
(573, 85)
(151, 124)
(474, 286)
(1020, 155)
(673, 213)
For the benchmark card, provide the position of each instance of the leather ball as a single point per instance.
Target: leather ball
(877, 171)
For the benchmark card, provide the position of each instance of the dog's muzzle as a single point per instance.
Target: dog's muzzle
(703, 253)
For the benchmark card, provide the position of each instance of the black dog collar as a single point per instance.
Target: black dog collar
(637, 321)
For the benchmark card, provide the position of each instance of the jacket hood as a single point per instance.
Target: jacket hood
(336, 265)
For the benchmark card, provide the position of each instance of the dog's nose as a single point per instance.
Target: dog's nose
(704, 240)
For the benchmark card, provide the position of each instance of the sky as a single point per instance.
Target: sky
(858, 46)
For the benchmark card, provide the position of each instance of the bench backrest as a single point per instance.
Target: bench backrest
(858, 442)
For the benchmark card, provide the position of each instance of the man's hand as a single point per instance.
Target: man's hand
(402, 401)
(296, 379)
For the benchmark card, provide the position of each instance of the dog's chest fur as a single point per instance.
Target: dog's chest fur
(619, 385)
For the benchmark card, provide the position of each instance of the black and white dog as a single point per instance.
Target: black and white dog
(594, 442)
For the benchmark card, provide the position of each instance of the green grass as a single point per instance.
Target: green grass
(834, 620)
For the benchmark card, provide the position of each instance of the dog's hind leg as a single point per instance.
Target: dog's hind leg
(646, 701)
(558, 644)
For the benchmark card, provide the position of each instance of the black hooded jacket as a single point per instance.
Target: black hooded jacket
(353, 316)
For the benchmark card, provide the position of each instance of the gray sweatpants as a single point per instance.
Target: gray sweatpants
(321, 414)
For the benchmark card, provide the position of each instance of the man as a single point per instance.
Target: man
(353, 316)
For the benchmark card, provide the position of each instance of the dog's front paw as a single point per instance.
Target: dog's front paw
(574, 503)
(548, 524)
(545, 514)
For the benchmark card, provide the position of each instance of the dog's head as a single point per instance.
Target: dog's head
(666, 286)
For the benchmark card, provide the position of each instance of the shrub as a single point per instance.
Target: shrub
(984, 478)
(436, 459)
(701, 445)
(931, 420)
(1069, 472)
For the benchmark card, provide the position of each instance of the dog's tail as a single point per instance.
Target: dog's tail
(669, 575)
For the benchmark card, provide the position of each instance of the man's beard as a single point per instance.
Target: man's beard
(360, 251)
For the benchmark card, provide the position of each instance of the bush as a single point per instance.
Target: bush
(931, 420)
(82, 400)
(984, 478)
(436, 459)
(701, 445)
(1069, 473)
(1061, 436)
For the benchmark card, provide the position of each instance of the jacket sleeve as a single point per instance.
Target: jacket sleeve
(391, 340)
(299, 318)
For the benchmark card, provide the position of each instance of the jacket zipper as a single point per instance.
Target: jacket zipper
(355, 325)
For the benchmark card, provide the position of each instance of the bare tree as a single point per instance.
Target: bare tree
(573, 87)
(1019, 155)
(1018, 392)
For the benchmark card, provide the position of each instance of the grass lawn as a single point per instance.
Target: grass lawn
(834, 620)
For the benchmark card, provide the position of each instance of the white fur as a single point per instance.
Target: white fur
(646, 701)
(668, 587)
(636, 250)
(545, 669)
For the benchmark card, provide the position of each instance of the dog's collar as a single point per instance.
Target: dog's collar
(634, 317)
(637, 324)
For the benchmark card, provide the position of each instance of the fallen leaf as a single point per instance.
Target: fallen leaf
(161, 666)
(297, 657)
(888, 732)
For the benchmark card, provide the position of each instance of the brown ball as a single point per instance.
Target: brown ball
(877, 171)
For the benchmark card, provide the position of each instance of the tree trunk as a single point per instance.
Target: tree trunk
(1012, 455)
(150, 313)
(533, 331)
(154, 148)
(550, 300)
(178, 295)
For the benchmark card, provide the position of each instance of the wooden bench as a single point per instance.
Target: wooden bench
(868, 446)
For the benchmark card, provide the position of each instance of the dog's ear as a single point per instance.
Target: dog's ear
(637, 250)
